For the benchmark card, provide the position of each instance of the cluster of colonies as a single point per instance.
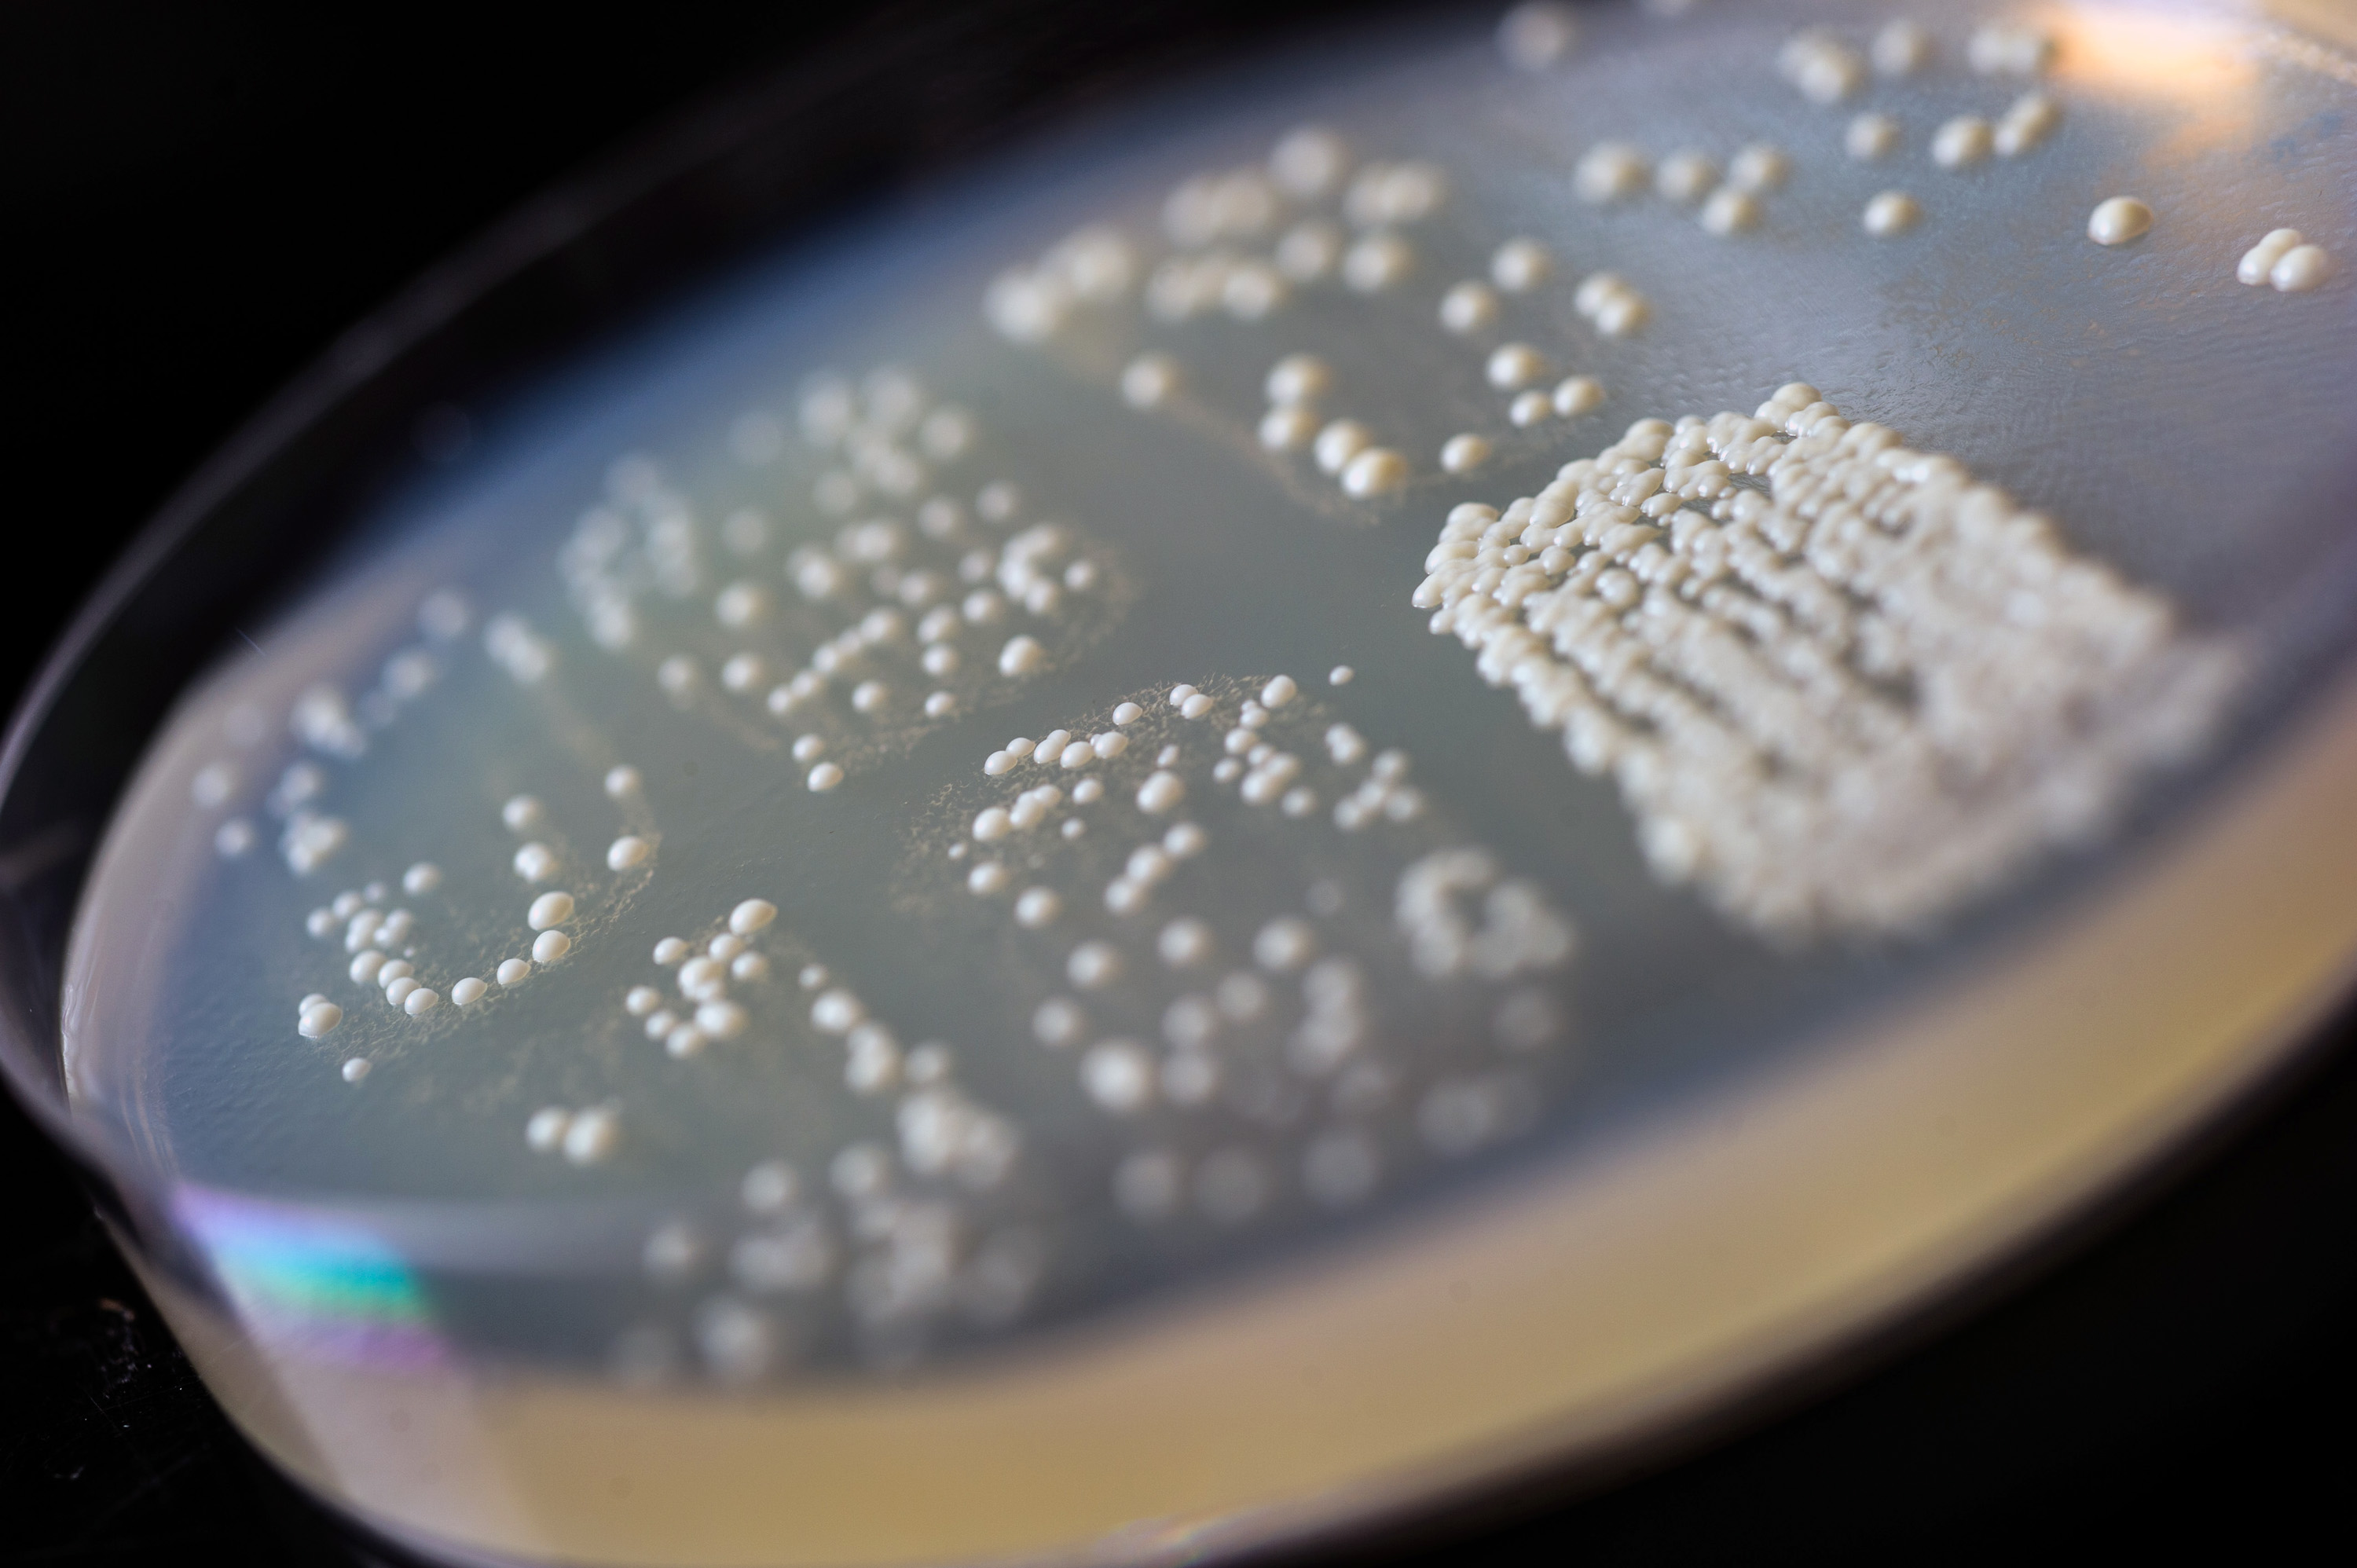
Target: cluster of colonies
(924, 1257)
(324, 722)
(1209, 215)
(1241, 1054)
(1217, 220)
(1242, 242)
(899, 621)
(909, 1245)
(704, 1011)
(1843, 699)
(384, 955)
(2284, 260)
(1726, 202)
(1535, 38)
(904, 1254)
(1739, 872)
(1827, 70)
(900, 1252)
(1514, 369)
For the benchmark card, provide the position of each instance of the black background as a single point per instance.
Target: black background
(196, 200)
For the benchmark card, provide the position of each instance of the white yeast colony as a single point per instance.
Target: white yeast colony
(1275, 969)
(1890, 213)
(1843, 687)
(2118, 220)
(932, 588)
(2285, 260)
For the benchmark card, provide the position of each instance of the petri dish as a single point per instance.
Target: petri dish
(1417, 761)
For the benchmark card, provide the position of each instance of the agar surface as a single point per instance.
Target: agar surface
(671, 856)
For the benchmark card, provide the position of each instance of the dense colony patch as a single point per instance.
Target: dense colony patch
(1841, 686)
